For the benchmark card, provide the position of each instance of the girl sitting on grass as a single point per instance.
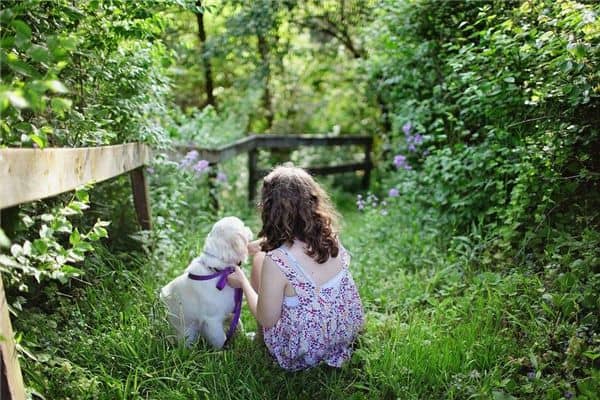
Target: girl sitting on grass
(301, 291)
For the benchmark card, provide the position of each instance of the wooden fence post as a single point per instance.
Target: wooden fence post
(367, 176)
(212, 188)
(252, 174)
(141, 199)
(11, 380)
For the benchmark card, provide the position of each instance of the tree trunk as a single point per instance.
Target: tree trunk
(208, 80)
(263, 49)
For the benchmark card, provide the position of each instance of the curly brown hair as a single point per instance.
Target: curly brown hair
(294, 206)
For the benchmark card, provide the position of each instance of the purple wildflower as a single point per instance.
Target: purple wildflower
(399, 160)
(406, 128)
(150, 170)
(569, 394)
(201, 166)
(411, 147)
(394, 192)
(192, 155)
(417, 139)
(221, 176)
(531, 375)
(189, 159)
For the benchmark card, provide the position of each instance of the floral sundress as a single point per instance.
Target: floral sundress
(320, 323)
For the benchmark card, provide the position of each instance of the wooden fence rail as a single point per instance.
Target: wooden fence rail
(32, 174)
(253, 143)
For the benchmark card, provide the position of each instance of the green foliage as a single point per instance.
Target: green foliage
(506, 97)
(57, 250)
(479, 273)
(440, 324)
(181, 200)
(84, 74)
(447, 318)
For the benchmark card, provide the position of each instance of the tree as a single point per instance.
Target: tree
(208, 79)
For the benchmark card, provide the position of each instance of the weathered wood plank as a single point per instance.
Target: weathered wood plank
(222, 153)
(289, 141)
(252, 143)
(328, 169)
(33, 174)
(235, 148)
(249, 143)
(213, 156)
(9, 363)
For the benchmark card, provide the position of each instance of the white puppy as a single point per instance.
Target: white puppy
(198, 307)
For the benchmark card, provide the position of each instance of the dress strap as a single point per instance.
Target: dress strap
(291, 270)
(296, 265)
(346, 256)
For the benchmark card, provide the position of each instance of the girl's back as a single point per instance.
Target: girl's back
(318, 273)
(321, 312)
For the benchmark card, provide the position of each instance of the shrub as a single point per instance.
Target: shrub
(505, 98)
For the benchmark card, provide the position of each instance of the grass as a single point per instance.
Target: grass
(438, 326)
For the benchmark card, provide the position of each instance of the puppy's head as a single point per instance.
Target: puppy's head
(228, 240)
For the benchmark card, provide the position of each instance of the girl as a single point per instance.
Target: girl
(301, 291)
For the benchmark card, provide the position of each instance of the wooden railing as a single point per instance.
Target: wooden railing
(252, 144)
(32, 174)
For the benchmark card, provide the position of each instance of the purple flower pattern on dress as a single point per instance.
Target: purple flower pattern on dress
(323, 324)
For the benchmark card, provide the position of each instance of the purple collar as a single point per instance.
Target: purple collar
(237, 297)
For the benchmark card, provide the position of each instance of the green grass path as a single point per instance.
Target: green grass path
(435, 329)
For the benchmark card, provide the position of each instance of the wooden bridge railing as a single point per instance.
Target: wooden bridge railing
(252, 144)
(32, 174)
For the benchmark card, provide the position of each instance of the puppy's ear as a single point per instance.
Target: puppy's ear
(239, 245)
(248, 233)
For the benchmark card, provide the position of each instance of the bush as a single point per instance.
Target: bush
(504, 99)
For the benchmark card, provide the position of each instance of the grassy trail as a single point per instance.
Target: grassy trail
(435, 329)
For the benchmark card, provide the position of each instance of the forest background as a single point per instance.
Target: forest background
(486, 122)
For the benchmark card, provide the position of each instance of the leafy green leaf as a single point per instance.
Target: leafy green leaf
(56, 86)
(39, 53)
(75, 237)
(4, 241)
(16, 99)
(38, 140)
(21, 28)
(60, 105)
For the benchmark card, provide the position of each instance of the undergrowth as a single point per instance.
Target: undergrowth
(439, 325)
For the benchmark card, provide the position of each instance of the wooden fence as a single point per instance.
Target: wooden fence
(252, 144)
(32, 174)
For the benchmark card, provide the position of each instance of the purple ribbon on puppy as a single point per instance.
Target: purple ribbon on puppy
(237, 297)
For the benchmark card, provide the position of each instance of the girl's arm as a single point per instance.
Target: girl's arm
(270, 300)
(266, 305)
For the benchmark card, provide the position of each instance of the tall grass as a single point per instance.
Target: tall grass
(437, 327)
